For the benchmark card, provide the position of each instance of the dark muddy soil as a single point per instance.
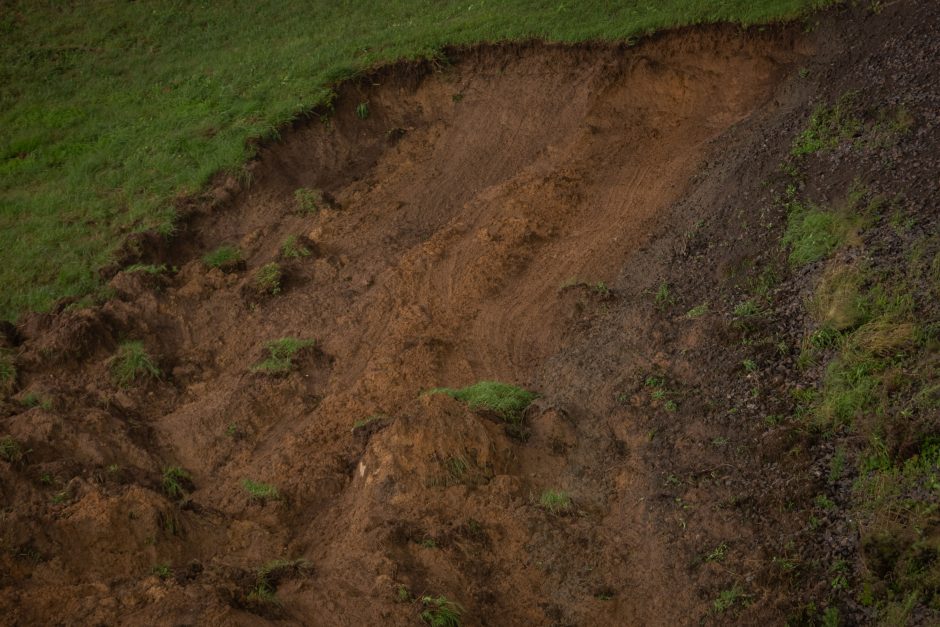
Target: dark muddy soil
(508, 216)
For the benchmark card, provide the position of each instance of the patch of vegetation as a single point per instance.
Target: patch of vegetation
(267, 279)
(729, 599)
(292, 249)
(176, 482)
(35, 400)
(717, 554)
(746, 309)
(132, 362)
(365, 422)
(281, 354)
(600, 288)
(308, 200)
(141, 268)
(362, 110)
(813, 233)
(7, 372)
(441, 612)
(162, 571)
(829, 126)
(225, 257)
(11, 450)
(555, 501)
(402, 594)
(506, 401)
(697, 311)
(664, 297)
(261, 492)
(270, 576)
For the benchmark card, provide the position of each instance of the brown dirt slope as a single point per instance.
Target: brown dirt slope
(506, 216)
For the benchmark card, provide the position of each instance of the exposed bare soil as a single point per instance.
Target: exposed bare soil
(470, 218)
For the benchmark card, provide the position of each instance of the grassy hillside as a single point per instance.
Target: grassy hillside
(109, 110)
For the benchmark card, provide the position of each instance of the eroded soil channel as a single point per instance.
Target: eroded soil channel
(502, 217)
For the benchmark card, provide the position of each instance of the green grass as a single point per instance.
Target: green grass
(697, 311)
(11, 450)
(267, 279)
(223, 257)
(131, 362)
(262, 492)
(281, 355)
(141, 268)
(112, 110)
(292, 249)
(829, 126)
(441, 612)
(269, 575)
(506, 401)
(308, 200)
(729, 599)
(175, 482)
(555, 501)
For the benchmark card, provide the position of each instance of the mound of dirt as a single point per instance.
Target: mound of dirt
(506, 216)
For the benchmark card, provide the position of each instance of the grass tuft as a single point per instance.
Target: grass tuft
(281, 355)
(261, 492)
(506, 401)
(11, 450)
(555, 501)
(441, 612)
(308, 200)
(131, 362)
(225, 257)
(829, 126)
(292, 249)
(267, 279)
(176, 482)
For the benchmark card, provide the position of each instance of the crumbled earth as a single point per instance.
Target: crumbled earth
(579, 221)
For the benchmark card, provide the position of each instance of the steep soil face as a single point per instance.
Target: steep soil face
(506, 216)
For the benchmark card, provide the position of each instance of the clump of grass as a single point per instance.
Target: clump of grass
(7, 372)
(225, 257)
(829, 126)
(11, 450)
(281, 355)
(261, 492)
(141, 268)
(362, 110)
(162, 571)
(292, 249)
(267, 279)
(35, 400)
(664, 297)
(746, 309)
(600, 288)
(555, 501)
(176, 482)
(838, 303)
(717, 554)
(365, 422)
(506, 401)
(697, 311)
(727, 599)
(813, 233)
(308, 200)
(132, 362)
(268, 578)
(441, 612)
